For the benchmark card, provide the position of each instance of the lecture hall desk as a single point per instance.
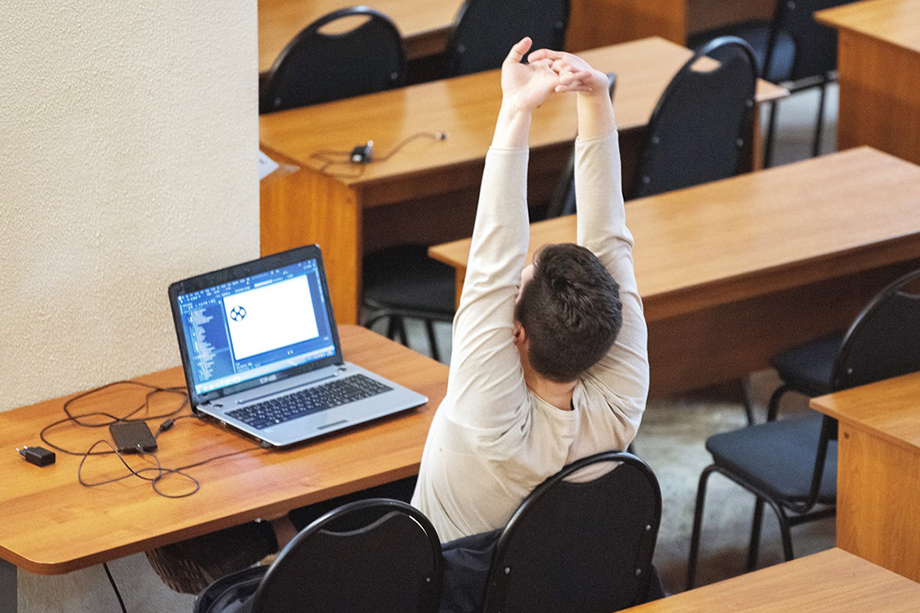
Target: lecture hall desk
(426, 192)
(52, 525)
(733, 271)
(425, 24)
(878, 471)
(831, 581)
(879, 69)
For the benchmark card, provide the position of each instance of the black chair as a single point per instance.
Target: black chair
(485, 30)
(318, 67)
(403, 282)
(579, 546)
(697, 130)
(791, 49)
(791, 464)
(370, 555)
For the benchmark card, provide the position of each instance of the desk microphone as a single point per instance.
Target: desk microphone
(364, 154)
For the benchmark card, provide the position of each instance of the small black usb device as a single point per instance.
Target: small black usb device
(37, 455)
(362, 154)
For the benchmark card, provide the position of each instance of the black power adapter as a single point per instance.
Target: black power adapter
(37, 455)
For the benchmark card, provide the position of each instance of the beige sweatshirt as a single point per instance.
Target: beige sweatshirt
(492, 440)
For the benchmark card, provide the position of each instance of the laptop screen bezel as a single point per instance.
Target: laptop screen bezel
(240, 271)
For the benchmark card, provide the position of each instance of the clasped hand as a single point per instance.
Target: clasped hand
(527, 86)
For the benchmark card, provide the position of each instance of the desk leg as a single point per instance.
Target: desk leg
(8, 594)
(879, 104)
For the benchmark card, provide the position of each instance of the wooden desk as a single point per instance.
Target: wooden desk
(53, 525)
(878, 63)
(424, 25)
(434, 182)
(878, 474)
(733, 271)
(832, 581)
(594, 23)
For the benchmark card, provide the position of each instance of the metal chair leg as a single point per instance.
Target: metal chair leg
(401, 329)
(784, 529)
(771, 128)
(745, 383)
(697, 527)
(432, 341)
(819, 128)
(773, 406)
(392, 327)
(756, 526)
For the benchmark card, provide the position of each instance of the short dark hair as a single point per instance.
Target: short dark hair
(570, 311)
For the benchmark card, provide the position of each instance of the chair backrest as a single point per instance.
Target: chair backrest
(320, 65)
(815, 44)
(485, 30)
(579, 546)
(884, 339)
(697, 130)
(392, 563)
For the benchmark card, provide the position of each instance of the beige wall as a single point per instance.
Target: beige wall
(127, 161)
(128, 142)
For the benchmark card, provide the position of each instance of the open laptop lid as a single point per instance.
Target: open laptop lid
(254, 323)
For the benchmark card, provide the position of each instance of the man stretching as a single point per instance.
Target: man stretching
(549, 361)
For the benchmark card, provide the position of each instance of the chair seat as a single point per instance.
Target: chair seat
(757, 34)
(404, 278)
(778, 457)
(808, 368)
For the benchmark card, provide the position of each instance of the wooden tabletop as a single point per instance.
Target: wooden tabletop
(52, 525)
(760, 232)
(889, 409)
(424, 25)
(832, 581)
(465, 108)
(893, 21)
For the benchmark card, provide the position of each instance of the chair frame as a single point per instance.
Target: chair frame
(385, 506)
(804, 511)
(497, 585)
(267, 82)
(396, 323)
(675, 83)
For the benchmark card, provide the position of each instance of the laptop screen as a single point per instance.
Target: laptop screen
(248, 325)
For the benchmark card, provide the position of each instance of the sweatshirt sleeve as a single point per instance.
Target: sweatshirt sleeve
(622, 376)
(485, 367)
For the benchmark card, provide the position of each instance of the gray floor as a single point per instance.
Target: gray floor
(671, 440)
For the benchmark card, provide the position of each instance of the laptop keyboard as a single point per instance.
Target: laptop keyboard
(309, 400)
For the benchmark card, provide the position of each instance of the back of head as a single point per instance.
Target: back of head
(570, 311)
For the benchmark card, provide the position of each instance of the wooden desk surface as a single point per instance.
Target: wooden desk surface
(424, 25)
(889, 409)
(52, 525)
(894, 21)
(465, 108)
(832, 581)
(760, 232)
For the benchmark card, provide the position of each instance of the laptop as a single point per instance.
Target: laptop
(261, 352)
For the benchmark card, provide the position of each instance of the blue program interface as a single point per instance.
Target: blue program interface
(256, 326)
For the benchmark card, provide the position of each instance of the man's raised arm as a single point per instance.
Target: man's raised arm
(484, 359)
